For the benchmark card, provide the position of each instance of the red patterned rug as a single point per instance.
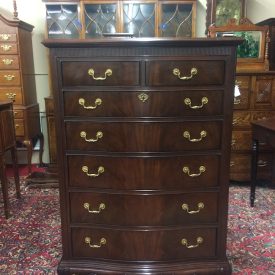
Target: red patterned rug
(30, 241)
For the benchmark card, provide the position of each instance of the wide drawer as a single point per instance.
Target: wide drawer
(100, 73)
(167, 103)
(185, 73)
(143, 209)
(11, 37)
(144, 245)
(11, 93)
(8, 48)
(143, 136)
(8, 62)
(10, 78)
(143, 173)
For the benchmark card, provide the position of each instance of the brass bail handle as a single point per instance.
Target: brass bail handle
(186, 170)
(101, 242)
(185, 243)
(99, 135)
(100, 171)
(101, 207)
(108, 72)
(188, 102)
(98, 102)
(177, 73)
(187, 135)
(185, 207)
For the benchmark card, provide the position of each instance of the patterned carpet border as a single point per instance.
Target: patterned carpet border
(30, 241)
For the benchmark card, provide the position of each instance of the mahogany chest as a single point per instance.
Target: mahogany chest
(143, 137)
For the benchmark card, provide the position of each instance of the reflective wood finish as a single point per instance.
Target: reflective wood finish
(144, 156)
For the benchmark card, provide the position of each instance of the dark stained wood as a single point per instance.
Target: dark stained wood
(143, 154)
(7, 143)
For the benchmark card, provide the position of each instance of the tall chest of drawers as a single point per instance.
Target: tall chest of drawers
(17, 80)
(143, 130)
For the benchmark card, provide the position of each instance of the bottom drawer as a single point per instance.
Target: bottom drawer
(144, 245)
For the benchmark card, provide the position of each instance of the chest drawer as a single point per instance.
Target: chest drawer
(8, 48)
(8, 62)
(154, 103)
(10, 78)
(143, 136)
(101, 73)
(10, 37)
(143, 173)
(152, 210)
(11, 93)
(143, 245)
(185, 73)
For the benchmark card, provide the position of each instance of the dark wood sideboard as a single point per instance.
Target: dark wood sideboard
(143, 139)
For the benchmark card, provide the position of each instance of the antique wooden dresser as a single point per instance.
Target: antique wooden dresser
(17, 81)
(143, 136)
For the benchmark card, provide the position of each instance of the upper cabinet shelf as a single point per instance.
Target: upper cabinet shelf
(95, 19)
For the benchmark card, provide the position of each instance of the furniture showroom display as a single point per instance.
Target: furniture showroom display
(17, 81)
(143, 138)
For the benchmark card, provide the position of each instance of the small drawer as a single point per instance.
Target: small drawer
(152, 210)
(185, 73)
(8, 48)
(19, 127)
(97, 73)
(8, 37)
(10, 78)
(143, 136)
(143, 103)
(11, 93)
(144, 245)
(8, 62)
(18, 113)
(143, 173)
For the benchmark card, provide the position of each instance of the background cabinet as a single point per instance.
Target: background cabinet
(93, 19)
(17, 81)
(256, 102)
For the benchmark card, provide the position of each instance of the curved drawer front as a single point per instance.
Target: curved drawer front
(142, 136)
(154, 103)
(96, 73)
(8, 62)
(10, 78)
(185, 73)
(145, 210)
(147, 245)
(143, 173)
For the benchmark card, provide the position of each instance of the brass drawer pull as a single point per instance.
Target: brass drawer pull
(5, 36)
(188, 102)
(186, 208)
(102, 242)
(7, 61)
(186, 170)
(5, 47)
(232, 163)
(237, 101)
(98, 102)
(143, 97)
(108, 72)
(9, 77)
(185, 243)
(86, 205)
(193, 72)
(17, 126)
(100, 171)
(11, 96)
(233, 142)
(203, 134)
(99, 135)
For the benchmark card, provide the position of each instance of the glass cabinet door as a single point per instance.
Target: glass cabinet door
(62, 21)
(177, 19)
(100, 18)
(139, 19)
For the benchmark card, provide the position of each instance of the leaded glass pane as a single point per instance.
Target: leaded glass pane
(139, 19)
(176, 20)
(62, 21)
(100, 19)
